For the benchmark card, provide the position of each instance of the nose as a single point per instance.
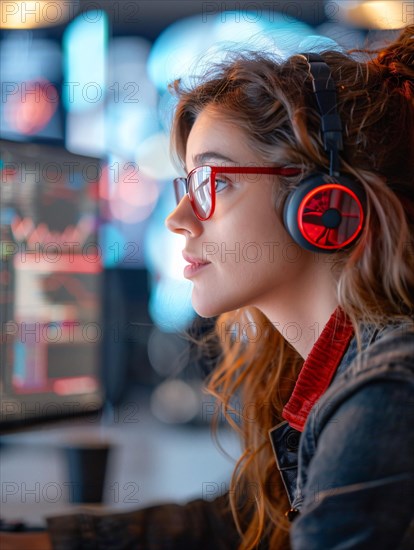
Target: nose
(182, 219)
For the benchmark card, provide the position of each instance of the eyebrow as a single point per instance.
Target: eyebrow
(208, 155)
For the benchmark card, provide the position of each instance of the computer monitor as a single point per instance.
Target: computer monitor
(51, 327)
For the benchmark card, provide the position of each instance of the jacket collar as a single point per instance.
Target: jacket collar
(319, 368)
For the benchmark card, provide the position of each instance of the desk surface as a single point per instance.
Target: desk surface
(151, 462)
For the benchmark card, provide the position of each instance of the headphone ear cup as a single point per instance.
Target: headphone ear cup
(325, 214)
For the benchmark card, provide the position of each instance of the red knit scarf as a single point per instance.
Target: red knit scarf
(318, 368)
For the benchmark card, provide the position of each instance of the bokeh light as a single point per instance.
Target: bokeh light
(36, 111)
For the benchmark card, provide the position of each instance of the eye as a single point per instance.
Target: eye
(221, 183)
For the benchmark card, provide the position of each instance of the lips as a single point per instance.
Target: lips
(193, 261)
(196, 265)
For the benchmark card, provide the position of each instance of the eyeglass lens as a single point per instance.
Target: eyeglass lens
(200, 190)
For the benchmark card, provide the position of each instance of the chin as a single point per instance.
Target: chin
(206, 310)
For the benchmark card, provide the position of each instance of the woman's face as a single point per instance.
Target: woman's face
(252, 261)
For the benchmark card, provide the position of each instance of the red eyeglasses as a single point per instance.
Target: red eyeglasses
(201, 184)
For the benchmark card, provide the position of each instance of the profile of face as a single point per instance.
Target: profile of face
(242, 255)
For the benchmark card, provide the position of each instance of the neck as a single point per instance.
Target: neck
(300, 313)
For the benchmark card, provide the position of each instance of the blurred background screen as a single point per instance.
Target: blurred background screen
(50, 283)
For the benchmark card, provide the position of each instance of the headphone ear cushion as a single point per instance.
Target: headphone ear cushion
(325, 214)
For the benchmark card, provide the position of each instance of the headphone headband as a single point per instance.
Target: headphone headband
(324, 88)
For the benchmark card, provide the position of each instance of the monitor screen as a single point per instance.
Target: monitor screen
(50, 284)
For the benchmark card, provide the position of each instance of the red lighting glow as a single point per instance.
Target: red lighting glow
(31, 109)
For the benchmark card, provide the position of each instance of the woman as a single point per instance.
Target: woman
(298, 219)
(284, 292)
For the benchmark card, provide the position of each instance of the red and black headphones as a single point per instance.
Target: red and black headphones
(326, 212)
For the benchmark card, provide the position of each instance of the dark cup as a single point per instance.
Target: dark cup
(87, 465)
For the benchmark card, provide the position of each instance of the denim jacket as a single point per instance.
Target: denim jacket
(349, 475)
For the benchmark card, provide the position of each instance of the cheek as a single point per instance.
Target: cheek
(256, 236)
(249, 251)
(249, 230)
